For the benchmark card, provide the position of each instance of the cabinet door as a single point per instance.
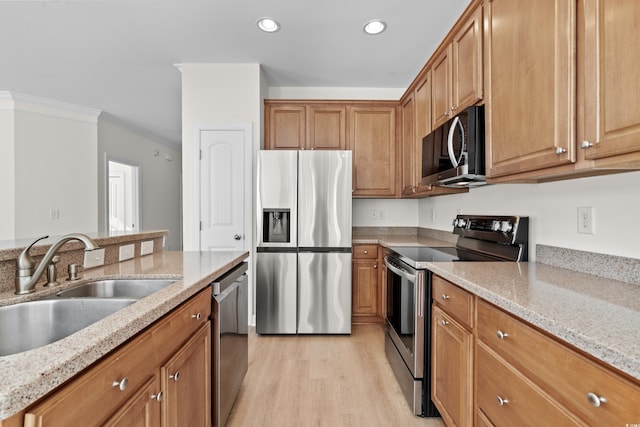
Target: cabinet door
(373, 142)
(326, 127)
(408, 146)
(529, 84)
(612, 73)
(365, 292)
(467, 63)
(287, 127)
(142, 409)
(186, 381)
(441, 88)
(452, 371)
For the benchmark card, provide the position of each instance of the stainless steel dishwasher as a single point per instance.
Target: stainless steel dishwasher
(229, 341)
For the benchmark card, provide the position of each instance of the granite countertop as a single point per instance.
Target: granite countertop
(389, 240)
(597, 315)
(30, 375)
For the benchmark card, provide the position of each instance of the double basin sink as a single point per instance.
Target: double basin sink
(29, 325)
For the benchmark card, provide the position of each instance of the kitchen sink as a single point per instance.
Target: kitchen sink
(33, 324)
(117, 288)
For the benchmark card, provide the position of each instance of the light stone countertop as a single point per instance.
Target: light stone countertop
(597, 315)
(398, 240)
(28, 376)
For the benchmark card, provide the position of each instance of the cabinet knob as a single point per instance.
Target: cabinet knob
(175, 376)
(501, 335)
(502, 401)
(157, 396)
(596, 400)
(443, 322)
(454, 108)
(366, 252)
(375, 265)
(445, 297)
(197, 316)
(560, 150)
(446, 114)
(121, 385)
(586, 144)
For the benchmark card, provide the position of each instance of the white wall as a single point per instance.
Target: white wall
(160, 186)
(7, 169)
(552, 209)
(55, 146)
(388, 213)
(333, 93)
(214, 94)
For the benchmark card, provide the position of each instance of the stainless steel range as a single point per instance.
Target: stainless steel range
(408, 311)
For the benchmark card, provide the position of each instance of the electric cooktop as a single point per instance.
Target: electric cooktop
(418, 256)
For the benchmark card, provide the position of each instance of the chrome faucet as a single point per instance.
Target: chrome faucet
(26, 273)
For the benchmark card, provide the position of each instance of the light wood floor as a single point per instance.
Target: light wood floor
(322, 380)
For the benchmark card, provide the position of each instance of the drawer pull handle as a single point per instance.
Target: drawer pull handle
(157, 397)
(502, 401)
(197, 316)
(175, 376)
(502, 335)
(443, 322)
(122, 384)
(445, 297)
(596, 400)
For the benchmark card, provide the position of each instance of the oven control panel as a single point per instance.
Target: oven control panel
(500, 229)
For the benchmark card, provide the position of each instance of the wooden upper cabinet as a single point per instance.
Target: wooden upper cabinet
(372, 138)
(441, 88)
(326, 127)
(529, 84)
(467, 64)
(301, 126)
(286, 127)
(409, 160)
(457, 71)
(612, 76)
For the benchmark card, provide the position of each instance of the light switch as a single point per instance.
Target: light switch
(94, 258)
(127, 252)
(146, 248)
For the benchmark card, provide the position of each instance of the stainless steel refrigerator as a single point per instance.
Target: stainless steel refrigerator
(303, 278)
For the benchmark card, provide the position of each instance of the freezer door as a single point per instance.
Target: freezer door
(324, 293)
(276, 292)
(277, 192)
(324, 199)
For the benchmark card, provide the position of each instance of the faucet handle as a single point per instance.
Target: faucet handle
(24, 263)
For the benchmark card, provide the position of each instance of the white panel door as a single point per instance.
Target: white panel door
(222, 184)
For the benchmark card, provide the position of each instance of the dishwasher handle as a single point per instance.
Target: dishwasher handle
(219, 285)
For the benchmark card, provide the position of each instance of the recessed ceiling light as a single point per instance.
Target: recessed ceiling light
(268, 25)
(375, 26)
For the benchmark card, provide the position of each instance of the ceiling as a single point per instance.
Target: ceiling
(118, 55)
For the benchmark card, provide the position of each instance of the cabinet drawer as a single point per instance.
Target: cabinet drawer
(98, 392)
(365, 251)
(510, 399)
(454, 300)
(569, 376)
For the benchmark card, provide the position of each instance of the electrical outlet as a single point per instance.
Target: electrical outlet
(433, 215)
(382, 215)
(146, 247)
(126, 252)
(586, 220)
(374, 214)
(94, 258)
(54, 213)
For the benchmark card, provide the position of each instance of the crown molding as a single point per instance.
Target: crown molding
(47, 107)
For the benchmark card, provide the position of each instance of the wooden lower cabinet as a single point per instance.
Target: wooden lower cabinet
(128, 387)
(452, 370)
(366, 286)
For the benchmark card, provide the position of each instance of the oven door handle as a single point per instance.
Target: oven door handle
(409, 277)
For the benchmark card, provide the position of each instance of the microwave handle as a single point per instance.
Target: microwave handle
(454, 161)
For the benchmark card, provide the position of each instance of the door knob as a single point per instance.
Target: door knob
(237, 237)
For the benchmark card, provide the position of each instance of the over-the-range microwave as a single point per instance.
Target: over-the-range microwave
(453, 154)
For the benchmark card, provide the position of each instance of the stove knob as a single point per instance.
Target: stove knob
(455, 222)
(462, 222)
(505, 226)
(495, 225)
